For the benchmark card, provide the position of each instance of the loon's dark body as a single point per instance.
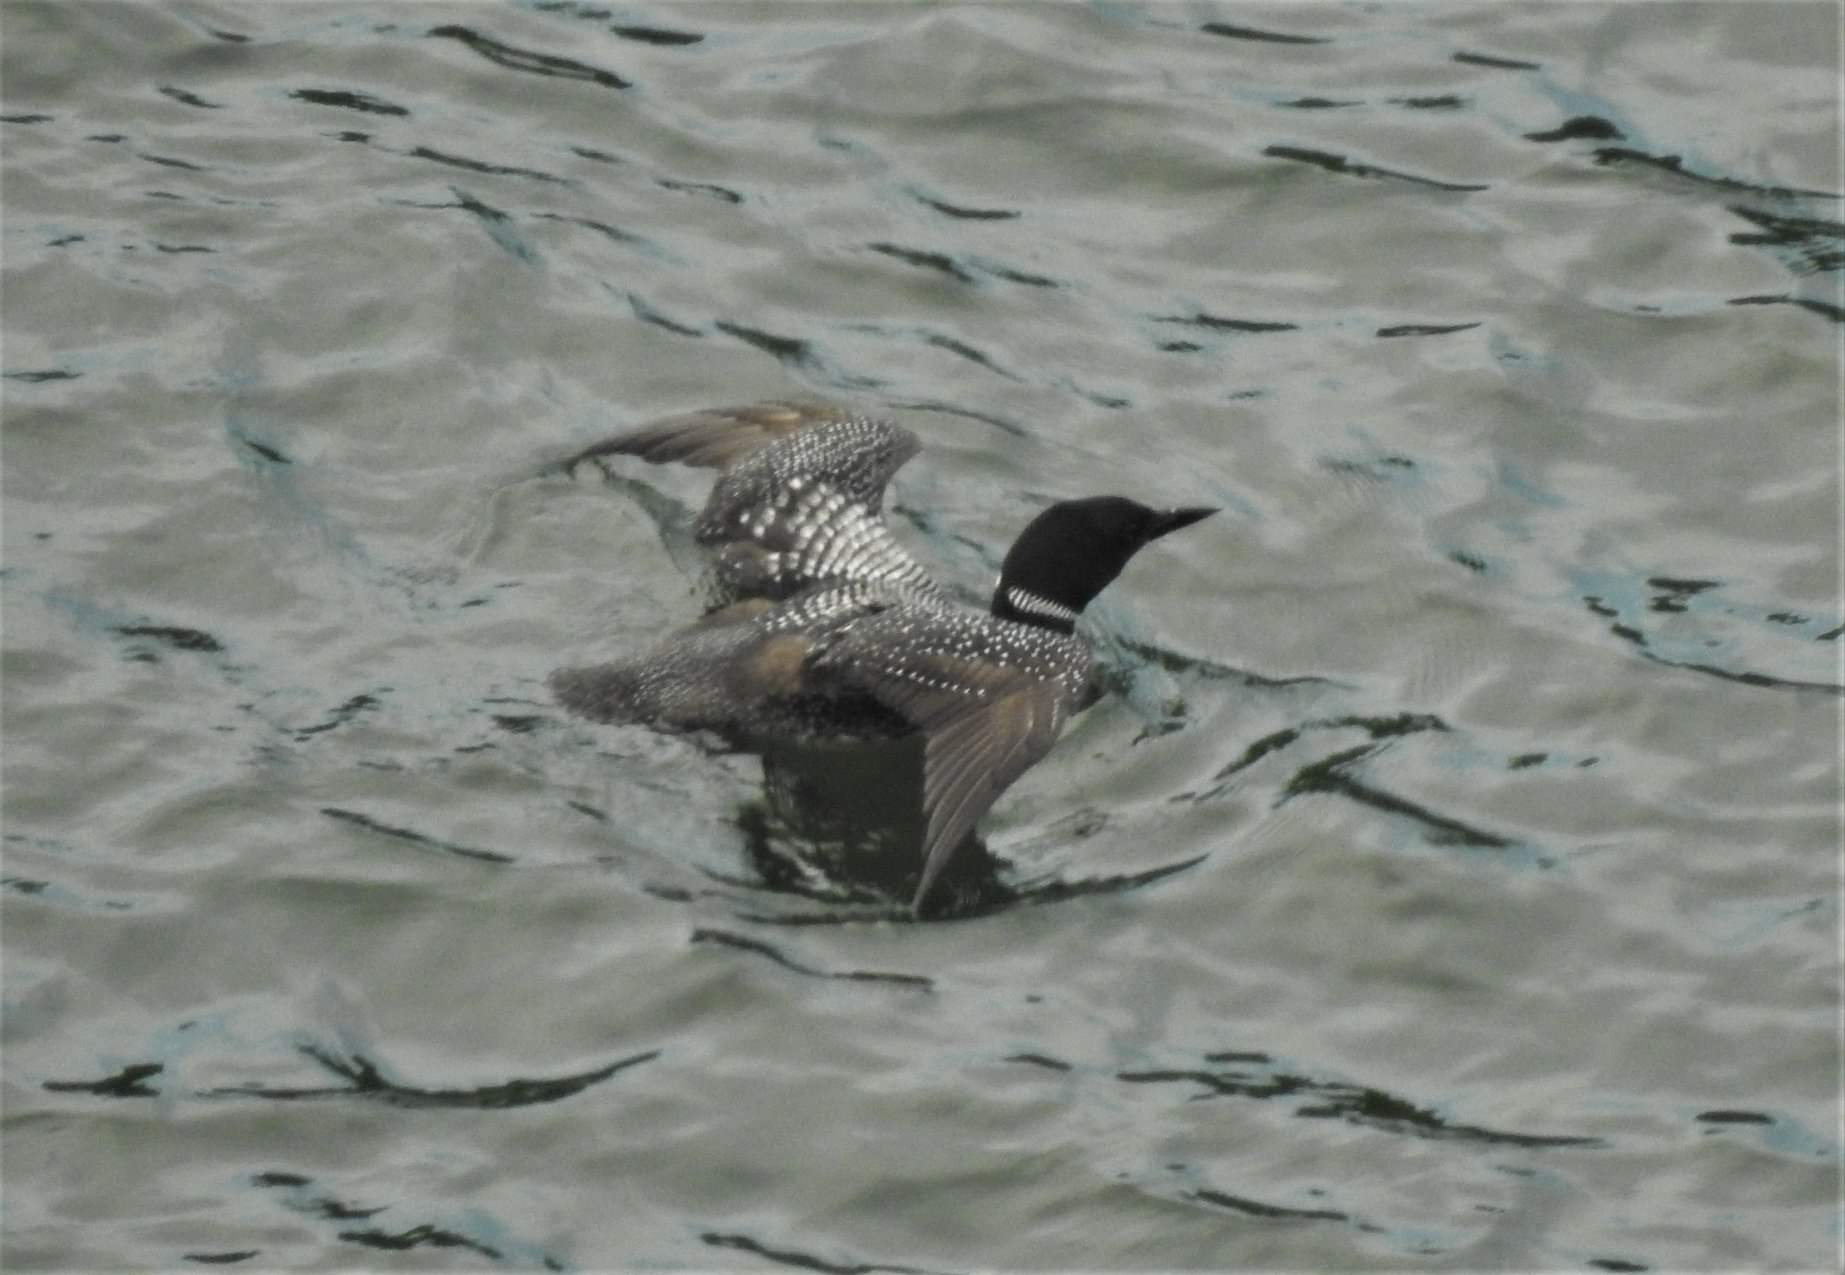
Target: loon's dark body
(823, 628)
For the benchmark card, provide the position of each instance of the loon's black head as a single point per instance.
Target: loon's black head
(1069, 553)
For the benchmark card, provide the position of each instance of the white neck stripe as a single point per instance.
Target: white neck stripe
(1032, 604)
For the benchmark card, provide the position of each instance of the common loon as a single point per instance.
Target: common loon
(822, 627)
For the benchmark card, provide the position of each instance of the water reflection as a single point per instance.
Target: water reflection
(845, 827)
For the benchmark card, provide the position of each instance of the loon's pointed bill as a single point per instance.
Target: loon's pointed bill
(822, 626)
(1172, 519)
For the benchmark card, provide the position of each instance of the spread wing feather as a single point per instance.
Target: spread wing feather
(799, 498)
(984, 725)
(715, 437)
(968, 764)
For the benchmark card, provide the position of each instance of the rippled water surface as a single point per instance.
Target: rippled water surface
(1496, 717)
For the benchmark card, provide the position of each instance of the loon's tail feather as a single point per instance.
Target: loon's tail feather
(708, 677)
(602, 692)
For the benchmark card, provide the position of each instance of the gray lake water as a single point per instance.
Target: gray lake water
(1497, 717)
